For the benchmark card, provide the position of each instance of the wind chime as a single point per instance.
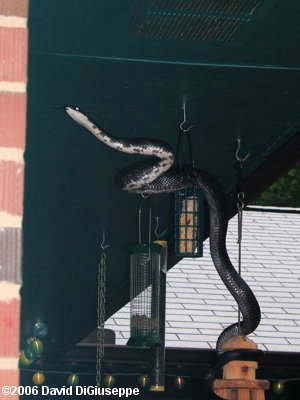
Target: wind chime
(101, 310)
(157, 358)
(188, 204)
(147, 260)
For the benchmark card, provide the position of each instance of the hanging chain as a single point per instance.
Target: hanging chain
(100, 315)
(240, 207)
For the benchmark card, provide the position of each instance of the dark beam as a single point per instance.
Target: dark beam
(128, 363)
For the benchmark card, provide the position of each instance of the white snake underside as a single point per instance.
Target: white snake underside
(158, 175)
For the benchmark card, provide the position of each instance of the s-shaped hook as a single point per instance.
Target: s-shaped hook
(184, 121)
(239, 158)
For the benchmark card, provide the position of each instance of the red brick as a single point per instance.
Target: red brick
(9, 378)
(13, 54)
(13, 119)
(17, 8)
(9, 328)
(10, 254)
(11, 187)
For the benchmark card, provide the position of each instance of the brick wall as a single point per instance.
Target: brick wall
(13, 75)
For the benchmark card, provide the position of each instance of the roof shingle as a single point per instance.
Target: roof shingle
(199, 306)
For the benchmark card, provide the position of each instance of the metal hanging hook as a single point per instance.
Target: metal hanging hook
(237, 155)
(159, 235)
(103, 245)
(184, 121)
(240, 200)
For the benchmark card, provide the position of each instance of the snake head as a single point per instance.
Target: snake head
(71, 110)
(76, 114)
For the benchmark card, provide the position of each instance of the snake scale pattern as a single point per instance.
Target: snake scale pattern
(157, 174)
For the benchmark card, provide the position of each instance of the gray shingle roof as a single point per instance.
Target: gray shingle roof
(199, 306)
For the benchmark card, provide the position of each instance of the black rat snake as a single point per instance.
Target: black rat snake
(158, 175)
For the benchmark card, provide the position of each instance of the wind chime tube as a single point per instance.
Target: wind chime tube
(189, 222)
(157, 363)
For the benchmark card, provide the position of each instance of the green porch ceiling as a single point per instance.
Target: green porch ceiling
(117, 61)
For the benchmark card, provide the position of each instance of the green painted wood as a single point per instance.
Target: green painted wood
(85, 53)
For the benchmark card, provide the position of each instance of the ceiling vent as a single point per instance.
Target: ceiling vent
(192, 20)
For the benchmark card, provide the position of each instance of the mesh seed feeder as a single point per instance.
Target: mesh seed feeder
(145, 264)
(188, 209)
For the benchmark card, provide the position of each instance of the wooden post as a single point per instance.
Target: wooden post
(239, 381)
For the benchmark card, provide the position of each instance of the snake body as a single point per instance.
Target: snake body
(158, 175)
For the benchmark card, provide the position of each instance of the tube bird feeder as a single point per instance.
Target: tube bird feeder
(145, 265)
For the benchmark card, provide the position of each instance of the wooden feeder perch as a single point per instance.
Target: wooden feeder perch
(239, 381)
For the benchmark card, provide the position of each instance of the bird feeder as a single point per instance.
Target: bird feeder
(239, 381)
(188, 209)
(146, 262)
(189, 222)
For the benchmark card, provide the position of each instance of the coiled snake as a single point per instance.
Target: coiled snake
(157, 174)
